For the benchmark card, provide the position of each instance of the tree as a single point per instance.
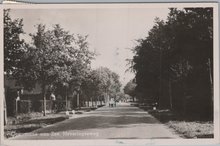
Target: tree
(54, 57)
(121, 97)
(146, 64)
(13, 51)
(130, 88)
(91, 87)
(110, 83)
(101, 84)
(13, 44)
(192, 29)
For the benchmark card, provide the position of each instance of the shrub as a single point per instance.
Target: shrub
(24, 106)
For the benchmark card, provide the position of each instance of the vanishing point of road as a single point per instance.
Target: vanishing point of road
(121, 122)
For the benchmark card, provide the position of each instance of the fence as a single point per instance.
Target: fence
(27, 106)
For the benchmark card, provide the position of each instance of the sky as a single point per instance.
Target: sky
(111, 31)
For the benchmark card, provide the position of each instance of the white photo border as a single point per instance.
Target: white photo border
(206, 141)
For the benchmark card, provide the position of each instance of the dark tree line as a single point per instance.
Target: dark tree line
(174, 63)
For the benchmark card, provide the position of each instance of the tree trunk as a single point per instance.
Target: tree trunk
(84, 103)
(92, 102)
(44, 99)
(95, 102)
(170, 95)
(78, 103)
(184, 98)
(66, 98)
(98, 100)
(5, 110)
(160, 82)
(210, 79)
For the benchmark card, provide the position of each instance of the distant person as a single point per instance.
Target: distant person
(53, 98)
(111, 102)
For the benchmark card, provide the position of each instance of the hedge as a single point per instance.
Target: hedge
(26, 106)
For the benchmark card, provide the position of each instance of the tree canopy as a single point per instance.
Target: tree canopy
(175, 59)
(55, 56)
(102, 82)
(130, 88)
(13, 44)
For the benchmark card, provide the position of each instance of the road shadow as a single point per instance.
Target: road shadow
(104, 119)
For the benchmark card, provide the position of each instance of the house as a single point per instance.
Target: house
(22, 100)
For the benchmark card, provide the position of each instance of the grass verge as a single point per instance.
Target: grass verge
(186, 127)
(29, 122)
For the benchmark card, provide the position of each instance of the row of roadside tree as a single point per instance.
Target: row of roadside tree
(57, 60)
(174, 63)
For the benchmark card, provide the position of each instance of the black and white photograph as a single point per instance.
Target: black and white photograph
(130, 71)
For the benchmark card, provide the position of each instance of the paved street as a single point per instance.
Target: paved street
(121, 122)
